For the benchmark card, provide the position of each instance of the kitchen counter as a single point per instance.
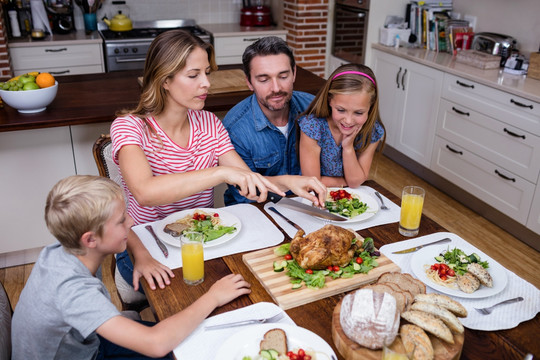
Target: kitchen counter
(94, 98)
(234, 29)
(73, 38)
(519, 85)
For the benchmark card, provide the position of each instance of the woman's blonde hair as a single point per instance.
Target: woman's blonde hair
(349, 79)
(78, 204)
(166, 56)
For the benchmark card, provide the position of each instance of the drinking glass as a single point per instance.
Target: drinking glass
(90, 22)
(412, 201)
(395, 350)
(192, 257)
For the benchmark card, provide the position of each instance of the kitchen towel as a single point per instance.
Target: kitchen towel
(39, 16)
(257, 232)
(310, 223)
(204, 344)
(502, 317)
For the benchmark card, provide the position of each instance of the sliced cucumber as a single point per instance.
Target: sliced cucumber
(356, 266)
(474, 258)
(266, 355)
(279, 266)
(297, 286)
(439, 258)
(274, 353)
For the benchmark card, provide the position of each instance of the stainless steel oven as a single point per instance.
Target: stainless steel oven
(350, 30)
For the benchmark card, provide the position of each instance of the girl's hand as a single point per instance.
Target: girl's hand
(348, 140)
(228, 288)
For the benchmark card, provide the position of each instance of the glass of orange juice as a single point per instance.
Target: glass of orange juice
(395, 350)
(412, 202)
(192, 257)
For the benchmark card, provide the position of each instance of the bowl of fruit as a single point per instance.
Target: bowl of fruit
(29, 93)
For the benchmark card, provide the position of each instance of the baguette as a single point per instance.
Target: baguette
(445, 315)
(444, 301)
(414, 338)
(430, 324)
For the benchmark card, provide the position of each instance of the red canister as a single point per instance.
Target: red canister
(247, 16)
(262, 16)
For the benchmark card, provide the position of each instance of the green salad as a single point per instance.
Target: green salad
(458, 260)
(209, 225)
(362, 262)
(345, 204)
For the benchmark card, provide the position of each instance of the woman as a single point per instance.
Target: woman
(171, 153)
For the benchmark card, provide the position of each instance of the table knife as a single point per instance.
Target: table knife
(161, 245)
(306, 209)
(416, 248)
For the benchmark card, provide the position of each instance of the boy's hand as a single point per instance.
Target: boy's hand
(228, 288)
(153, 271)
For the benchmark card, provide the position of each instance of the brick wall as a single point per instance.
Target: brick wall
(306, 22)
(5, 68)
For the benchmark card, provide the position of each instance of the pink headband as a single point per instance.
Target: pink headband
(354, 72)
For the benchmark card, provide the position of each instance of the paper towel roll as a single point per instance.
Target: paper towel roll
(39, 16)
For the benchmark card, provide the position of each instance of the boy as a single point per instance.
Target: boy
(65, 312)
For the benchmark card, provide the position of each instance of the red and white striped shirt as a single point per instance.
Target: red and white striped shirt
(208, 140)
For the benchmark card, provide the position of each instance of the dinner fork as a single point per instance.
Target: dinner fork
(384, 207)
(270, 319)
(488, 310)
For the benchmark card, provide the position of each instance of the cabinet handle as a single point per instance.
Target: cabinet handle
(464, 85)
(251, 39)
(397, 77)
(461, 112)
(59, 72)
(403, 79)
(520, 104)
(513, 133)
(56, 50)
(454, 150)
(504, 176)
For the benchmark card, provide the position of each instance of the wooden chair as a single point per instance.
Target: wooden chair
(102, 151)
(6, 313)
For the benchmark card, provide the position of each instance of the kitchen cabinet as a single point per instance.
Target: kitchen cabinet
(83, 138)
(230, 40)
(58, 59)
(488, 145)
(409, 96)
(32, 161)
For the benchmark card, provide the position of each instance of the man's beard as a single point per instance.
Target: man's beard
(266, 103)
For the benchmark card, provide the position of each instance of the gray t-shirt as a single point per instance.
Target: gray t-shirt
(59, 309)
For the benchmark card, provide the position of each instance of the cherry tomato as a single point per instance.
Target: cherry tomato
(359, 260)
(307, 357)
(301, 352)
(442, 271)
(336, 268)
(288, 256)
(451, 272)
(330, 268)
(216, 215)
(443, 277)
(289, 353)
(309, 271)
(293, 357)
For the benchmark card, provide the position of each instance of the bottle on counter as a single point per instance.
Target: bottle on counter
(25, 16)
(13, 19)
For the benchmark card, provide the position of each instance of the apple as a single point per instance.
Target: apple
(30, 86)
(27, 79)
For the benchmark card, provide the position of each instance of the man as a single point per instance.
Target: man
(262, 127)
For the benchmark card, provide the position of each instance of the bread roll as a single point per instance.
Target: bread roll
(430, 324)
(369, 318)
(444, 301)
(445, 315)
(413, 337)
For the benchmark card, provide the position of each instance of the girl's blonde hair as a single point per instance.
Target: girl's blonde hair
(345, 80)
(78, 204)
(166, 56)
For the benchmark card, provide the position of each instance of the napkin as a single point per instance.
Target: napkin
(204, 344)
(310, 223)
(257, 232)
(503, 317)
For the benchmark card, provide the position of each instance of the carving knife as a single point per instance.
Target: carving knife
(306, 209)
(160, 244)
(416, 248)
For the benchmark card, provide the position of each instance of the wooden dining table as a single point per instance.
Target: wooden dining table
(316, 316)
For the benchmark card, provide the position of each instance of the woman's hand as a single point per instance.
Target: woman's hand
(152, 270)
(304, 186)
(250, 184)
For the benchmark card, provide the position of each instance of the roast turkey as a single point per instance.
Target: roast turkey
(330, 245)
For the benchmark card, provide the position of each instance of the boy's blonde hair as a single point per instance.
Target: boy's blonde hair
(78, 204)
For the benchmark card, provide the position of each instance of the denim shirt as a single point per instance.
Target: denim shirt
(260, 143)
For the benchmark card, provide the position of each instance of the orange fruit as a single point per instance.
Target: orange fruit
(44, 80)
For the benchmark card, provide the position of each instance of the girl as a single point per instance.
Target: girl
(341, 128)
(171, 153)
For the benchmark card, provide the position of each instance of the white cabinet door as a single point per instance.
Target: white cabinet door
(84, 137)
(409, 96)
(229, 49)
(32, 161)
(534, 216)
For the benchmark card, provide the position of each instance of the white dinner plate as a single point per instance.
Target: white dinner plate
(426, 256)
(247, 342)
(227, 219)
(373, 205)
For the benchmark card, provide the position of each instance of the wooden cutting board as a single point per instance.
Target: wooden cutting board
(352, 351)
(223, 81)
(279, 286)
